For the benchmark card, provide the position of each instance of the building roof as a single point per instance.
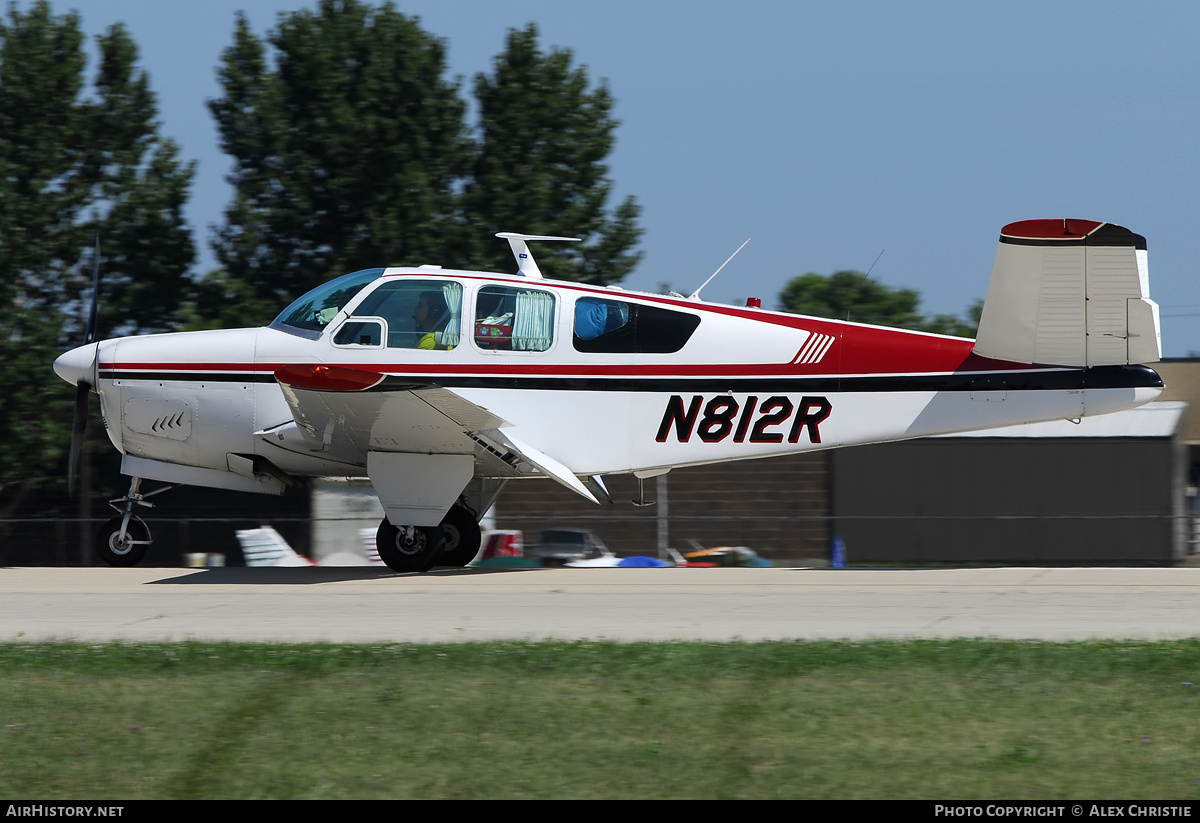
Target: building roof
(1182, 379)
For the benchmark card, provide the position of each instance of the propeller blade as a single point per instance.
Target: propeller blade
(78, 430)
(83, 387)
(90, 332)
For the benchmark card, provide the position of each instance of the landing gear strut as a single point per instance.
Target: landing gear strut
(453, 542)
(122, 541)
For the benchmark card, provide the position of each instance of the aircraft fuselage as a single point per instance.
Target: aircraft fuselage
(746, 383)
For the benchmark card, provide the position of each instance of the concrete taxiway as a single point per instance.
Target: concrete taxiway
(373, 605)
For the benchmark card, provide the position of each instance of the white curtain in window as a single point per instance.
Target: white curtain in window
(534, 321)
(452, 292)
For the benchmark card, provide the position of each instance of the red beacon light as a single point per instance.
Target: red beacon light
(753, 303)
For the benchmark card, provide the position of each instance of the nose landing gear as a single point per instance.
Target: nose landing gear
(122, 541)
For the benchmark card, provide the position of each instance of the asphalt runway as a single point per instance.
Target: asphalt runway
(360, 604)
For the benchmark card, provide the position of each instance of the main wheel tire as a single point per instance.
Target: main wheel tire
(402, 555)
(117, 552)
(462, 537)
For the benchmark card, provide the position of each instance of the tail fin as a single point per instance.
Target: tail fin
(266, 547)
(1069, 293)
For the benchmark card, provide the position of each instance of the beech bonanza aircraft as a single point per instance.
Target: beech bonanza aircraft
(441, 386)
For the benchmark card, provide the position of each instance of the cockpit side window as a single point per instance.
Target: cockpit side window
(420, 314)
(365, 332)
(618, 327)
(309, 315)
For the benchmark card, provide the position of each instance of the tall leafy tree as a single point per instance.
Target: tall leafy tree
(852, 295)
(544, 136)
(138, 200)
(46, 174)
(73, 165)
(348, 143)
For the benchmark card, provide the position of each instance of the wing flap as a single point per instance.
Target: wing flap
(468, 415)
(546, 464)
(353, 414)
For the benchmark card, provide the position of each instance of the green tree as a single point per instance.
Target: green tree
(955, 325)
(543, 139)
(140, 192)
(852, 295)
(347, 148)
(70, 167)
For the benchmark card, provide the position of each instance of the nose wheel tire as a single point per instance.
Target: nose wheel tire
(116, 550)
(405, 552)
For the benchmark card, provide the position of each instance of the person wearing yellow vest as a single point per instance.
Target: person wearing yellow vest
(429, 314)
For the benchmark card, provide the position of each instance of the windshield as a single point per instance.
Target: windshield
(313, 311)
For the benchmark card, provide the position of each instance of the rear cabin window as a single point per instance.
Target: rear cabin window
(620, 327)
(514, 319)
(406, 314)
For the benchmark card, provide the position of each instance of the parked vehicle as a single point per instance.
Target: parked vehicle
(502, 543)
(567, 544)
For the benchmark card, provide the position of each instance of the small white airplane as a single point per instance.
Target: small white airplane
(440, 386)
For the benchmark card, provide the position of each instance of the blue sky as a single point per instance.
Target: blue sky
(826, 132)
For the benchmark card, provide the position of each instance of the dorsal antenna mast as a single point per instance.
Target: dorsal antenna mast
(696, 294)
(866, 278)
(526, 265)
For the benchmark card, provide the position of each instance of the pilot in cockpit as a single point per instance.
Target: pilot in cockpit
(429, 315)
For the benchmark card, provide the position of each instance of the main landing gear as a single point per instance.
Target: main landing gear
(122, 541)
(454, 542)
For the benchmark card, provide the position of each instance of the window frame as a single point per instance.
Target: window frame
(481, 296)
(362, 320)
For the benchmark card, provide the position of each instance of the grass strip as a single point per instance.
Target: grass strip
(957, 719)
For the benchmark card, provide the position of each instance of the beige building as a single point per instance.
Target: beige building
(1181, 377)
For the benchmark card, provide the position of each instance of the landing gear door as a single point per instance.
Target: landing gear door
(418, 489)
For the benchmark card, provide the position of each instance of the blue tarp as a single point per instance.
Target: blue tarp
(643, 561)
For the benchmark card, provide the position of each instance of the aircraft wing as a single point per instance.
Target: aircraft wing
(360, 417)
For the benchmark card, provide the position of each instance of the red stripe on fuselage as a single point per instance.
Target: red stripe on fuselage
(198, 371)
(856, 350)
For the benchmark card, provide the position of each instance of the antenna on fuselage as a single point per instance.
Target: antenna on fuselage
(867, 277)
(881, 251)
(520, 249)
(696, 294)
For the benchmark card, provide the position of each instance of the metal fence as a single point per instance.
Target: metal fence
(798, 537)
